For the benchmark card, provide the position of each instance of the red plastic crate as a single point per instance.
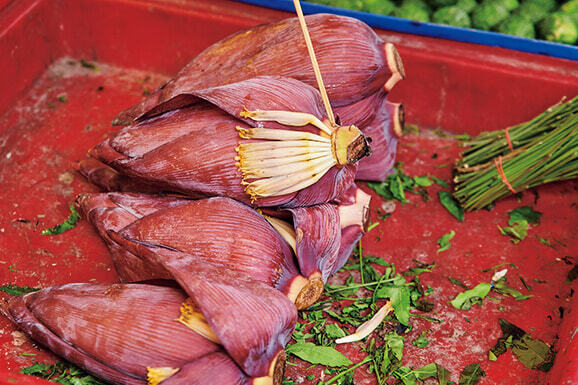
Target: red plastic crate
(136, 45)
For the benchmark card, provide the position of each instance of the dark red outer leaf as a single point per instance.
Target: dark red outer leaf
(318, 236)
(217, 233)
(351, 58)
(373, 115)
(214, 369)
(253, 321)
(113, 331)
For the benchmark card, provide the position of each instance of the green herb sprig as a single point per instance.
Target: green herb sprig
(544, 150)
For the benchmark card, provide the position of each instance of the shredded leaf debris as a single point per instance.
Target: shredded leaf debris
(60, 228)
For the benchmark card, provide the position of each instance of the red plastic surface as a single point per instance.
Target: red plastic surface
(137, 44)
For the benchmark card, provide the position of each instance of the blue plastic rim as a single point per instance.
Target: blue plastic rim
(466, 35)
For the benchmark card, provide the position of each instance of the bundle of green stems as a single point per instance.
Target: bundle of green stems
(508, 161)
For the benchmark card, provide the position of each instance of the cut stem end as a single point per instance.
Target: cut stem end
(310, 293)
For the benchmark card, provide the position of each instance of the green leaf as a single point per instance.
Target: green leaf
(444, 241)
(524, 213)
(61, 372)
(466, 299)
(443, 374)
(334, 331)
(17, 290)
(396, 188)
(503, 288)
(323, 355)
(395, 343)
(517, 232)
(423, 181)
(471, 374)
(421, 341)
(70, 223)
(531, 352)
(440, 182)
(458, 282)
(452, 205)
(411, 376)
(400, 298)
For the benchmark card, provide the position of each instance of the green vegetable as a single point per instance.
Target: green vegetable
(17, 290)
(517, 25)
(70, 223)
(443, 375)
(524, 213)
(544, 152)
(532, 353)
(60, 372)
(421, 341)
(441, 3)
(546, 5)
(347, 4)
(452, 205)
(569, 7)
(384, 7)
(395, 186)
(503, 288)
(324, 355)
(489, 14)
(471, 375)
(467, 5)
(444, 241)
(466, 299)
(334, 331)
(452, 15)
(509, 4)
(423, 181)
(411, 12)
(531, 11)
(409, 376)
(517, 233)
(86, 64)
(559, 28)
(417, 3)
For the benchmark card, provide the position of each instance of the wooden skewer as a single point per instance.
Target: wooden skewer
(314, 61)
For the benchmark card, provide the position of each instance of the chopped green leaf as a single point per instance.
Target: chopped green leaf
(440, 182)
(334, 331)
(70, 223)
(444, 241)
(532, 353)
(409, 376)
(17, 290)
(471, 374)
(423, 181)
(503, 288)
(452, 205)
(372, 226)
(421, 341)
(466, 299)
(443, 374)
(62, 99)
(517, 232)
(310, 377)
(62, 373)
(524, 213)
(458, 282)
(396, 188)
(86, 64)
(323, 355)
(400, 298)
